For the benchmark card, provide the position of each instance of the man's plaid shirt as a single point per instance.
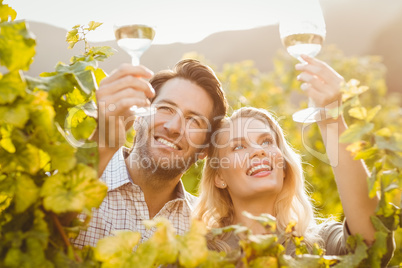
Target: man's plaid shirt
(124, 207)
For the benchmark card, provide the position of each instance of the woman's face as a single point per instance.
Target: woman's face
(251, 164)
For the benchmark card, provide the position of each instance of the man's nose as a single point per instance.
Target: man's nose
(174, 126)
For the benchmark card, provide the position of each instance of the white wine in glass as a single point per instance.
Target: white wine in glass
(303, 36)
(135, 39)
(305, 43)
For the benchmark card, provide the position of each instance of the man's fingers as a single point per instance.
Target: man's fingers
(128, 69)
(135, 83)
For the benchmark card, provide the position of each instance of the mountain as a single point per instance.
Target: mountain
(358, 27)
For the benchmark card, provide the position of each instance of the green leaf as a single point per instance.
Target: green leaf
(62, 156)
(193, 245)
(357, 255)
(73, 192)
(5, 139)
(101, 53)
(16, 114)
(26, 193)
(367, 153)
(7, 13)
(28, 159)
(358, 113)
(17, 46)
(42, 112)
(72, 37)
(355, 132)
(11, 86)
(373, 183)
(372, 113)
(114, 251)
(93, 25)
(163, 241)
(393, 143)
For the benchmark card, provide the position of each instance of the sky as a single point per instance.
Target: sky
(185, 21)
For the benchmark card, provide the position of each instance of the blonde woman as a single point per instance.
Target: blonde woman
(251, 167)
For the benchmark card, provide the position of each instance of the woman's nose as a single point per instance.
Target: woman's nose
(258, 150)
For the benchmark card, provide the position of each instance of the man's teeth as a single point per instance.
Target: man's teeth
(251, 171)
(171, 145)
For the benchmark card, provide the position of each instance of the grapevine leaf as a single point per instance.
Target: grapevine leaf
(372, 113)
(367, 154)
(29, 159)
(266, 261)
(193, 245)
(115, 250)
(355, 132)
(266, 220)
(101, 53)
(373, 183)
(72, 37)
(26, 193)
(358, 112)
(92, 25)
(62, 157)
(73, 192)
(7, 13)
(42, 112)
(164, 240)
(11, 86)
(357, 255)
(393, 143)
(16, 114)
(17, 46)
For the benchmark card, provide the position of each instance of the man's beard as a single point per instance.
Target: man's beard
(159, 167)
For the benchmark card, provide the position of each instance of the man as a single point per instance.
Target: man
(145, 182)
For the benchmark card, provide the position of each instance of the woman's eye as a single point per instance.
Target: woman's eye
(238, 147)
(267, 142)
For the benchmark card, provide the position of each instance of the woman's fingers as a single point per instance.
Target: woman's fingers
(320, 69)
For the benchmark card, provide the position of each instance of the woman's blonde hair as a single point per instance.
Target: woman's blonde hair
(215, 206)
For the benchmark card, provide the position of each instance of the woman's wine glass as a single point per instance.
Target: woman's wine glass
(303, 35)
(135, 39)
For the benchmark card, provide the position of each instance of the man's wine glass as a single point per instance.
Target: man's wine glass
(135, 39)
(303, 35)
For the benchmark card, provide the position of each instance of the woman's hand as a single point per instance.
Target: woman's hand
(321, 82)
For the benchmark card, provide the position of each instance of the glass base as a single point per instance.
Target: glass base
(308, 115)
(143, 111)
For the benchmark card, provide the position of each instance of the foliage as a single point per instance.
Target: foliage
(43, 177)
(48, 163)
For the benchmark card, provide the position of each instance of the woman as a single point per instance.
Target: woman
(259, 172)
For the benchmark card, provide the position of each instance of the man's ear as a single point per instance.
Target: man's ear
(137, 123)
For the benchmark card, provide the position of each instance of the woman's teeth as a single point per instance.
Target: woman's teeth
(259, 168)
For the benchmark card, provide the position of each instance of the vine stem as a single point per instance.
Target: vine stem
(60, 229)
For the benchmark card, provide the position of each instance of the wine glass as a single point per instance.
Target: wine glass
(303, 35)
(135, 39)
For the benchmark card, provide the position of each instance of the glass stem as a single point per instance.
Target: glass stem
(135, 61)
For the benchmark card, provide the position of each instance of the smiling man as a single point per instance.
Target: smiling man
(145, 181)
